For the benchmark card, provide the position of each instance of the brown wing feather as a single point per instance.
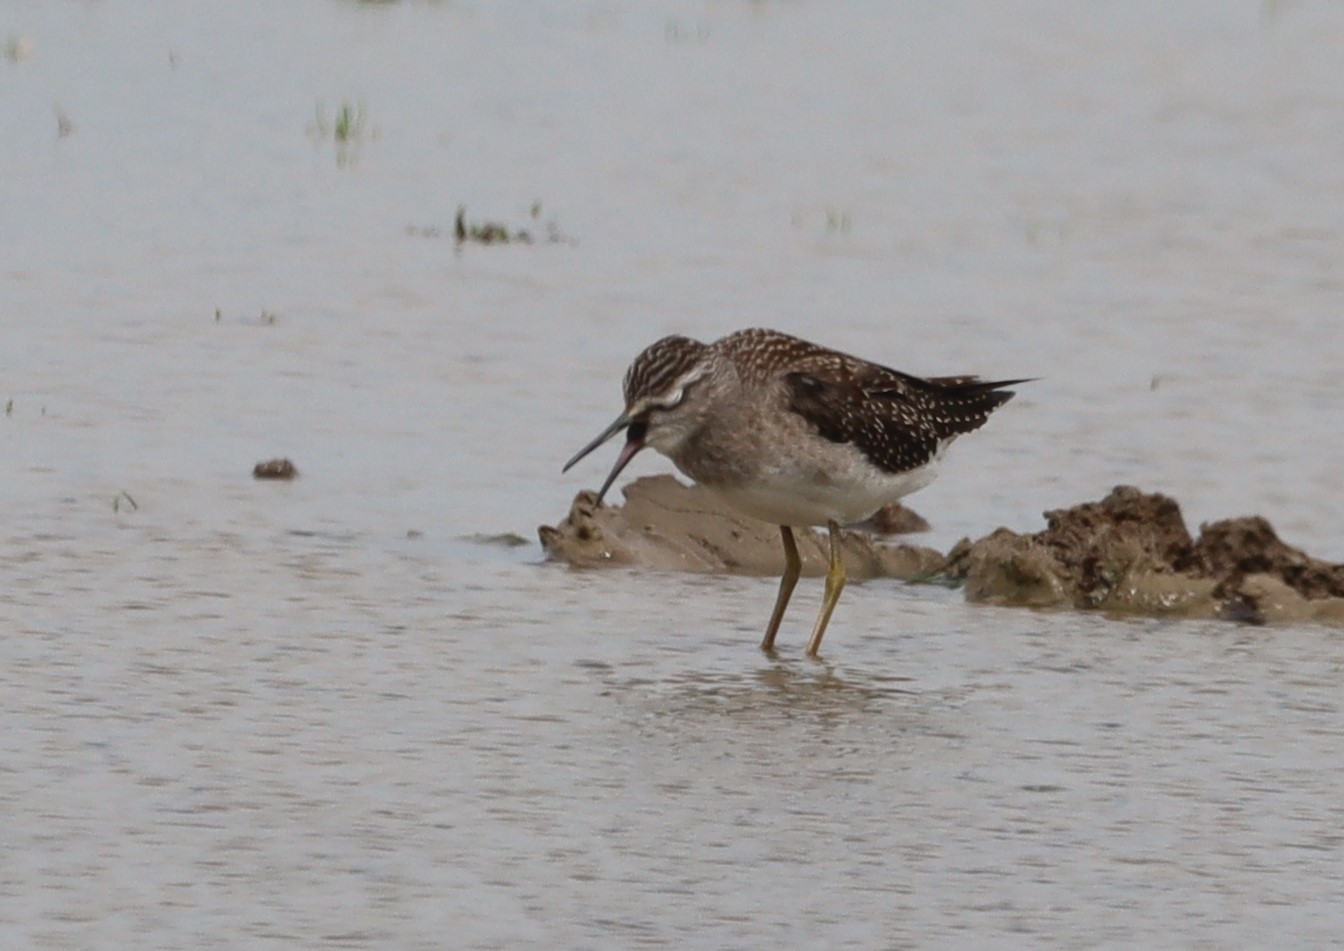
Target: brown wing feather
(897, 420)
(886, 428)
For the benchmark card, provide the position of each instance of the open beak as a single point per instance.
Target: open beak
(634, 443)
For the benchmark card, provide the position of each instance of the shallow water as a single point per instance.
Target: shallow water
(343, 712)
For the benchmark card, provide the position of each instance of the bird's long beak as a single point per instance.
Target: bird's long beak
(633, 444)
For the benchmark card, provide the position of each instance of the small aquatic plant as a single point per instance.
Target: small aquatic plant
(494, 232)
(348, 128)
(837, 221)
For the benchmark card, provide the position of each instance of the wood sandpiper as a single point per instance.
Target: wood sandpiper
(794, 433)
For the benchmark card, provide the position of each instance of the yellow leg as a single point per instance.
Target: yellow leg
(792, 566)
(835, 583)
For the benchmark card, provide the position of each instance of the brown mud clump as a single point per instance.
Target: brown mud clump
(1129, 553)
(669, 526)
(274, 469)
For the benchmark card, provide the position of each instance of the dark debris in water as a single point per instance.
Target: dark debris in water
(274, 469)
(466, 231)
(266, 318)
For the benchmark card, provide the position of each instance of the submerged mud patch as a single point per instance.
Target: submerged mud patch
(1129, 553)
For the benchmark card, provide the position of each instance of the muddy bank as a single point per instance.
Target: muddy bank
(1129, 553)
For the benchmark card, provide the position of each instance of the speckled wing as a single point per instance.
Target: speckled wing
(898, 421)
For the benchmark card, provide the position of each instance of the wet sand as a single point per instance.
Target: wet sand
(1129, 553)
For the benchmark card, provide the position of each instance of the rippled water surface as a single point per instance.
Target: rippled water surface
(357, 710)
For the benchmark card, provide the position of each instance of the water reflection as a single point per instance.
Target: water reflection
(778, 718)
(783, 688)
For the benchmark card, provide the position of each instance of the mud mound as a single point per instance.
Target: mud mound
(669, 526)
(1132, 553)
(1129, 553)
(1237, 548)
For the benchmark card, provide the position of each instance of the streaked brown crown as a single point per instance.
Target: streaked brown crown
(660, 366)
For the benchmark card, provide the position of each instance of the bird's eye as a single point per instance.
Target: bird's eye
(670, 400)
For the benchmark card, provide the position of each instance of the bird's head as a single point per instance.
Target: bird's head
(663, 402)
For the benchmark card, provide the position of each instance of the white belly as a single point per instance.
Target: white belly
(845, 496)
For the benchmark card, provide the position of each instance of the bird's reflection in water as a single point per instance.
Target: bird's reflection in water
(777, 690)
